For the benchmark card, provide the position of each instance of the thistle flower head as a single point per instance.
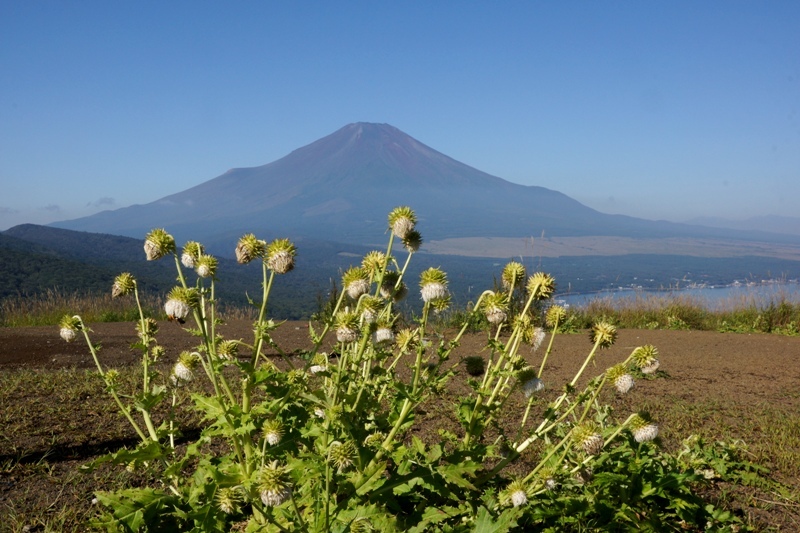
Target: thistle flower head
(383, 334)
(547, 475)
(346, 323)
(373, 263)
(495, 307)
(228, 499)
(537, 338)
(413, 241)
(273, 487)
(646, 358)
(407, 339)
(370, 306)
(69, 327)
(280, 255)
(157, 353)
(541, 286)
(180, 301)
(529, 381)
(440, 305)
(603, 334)
(157, 244)
(341, 454)
(206, 266)
(273, 431)
(361, 524)
(112, 377)
(355, 282)
(515, 494)
(556, 314)
(146, 328)
(374, 440)
(401, 221)
(249, 247)
(191, 251)
(183, 371)
(319, 363)
(513, 273)
(620, 377)
(643, 428)
(433, 285)
(392, 287)
(587, 436)
(228, 350)
(123, 284)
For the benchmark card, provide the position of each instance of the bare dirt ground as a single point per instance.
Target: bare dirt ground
(731, 381)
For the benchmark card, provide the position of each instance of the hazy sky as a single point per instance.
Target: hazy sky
(654, 109)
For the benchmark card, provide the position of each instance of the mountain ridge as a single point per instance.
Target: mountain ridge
(340, 187)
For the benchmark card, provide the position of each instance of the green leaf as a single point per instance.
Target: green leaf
(134, 509)
(485, 523)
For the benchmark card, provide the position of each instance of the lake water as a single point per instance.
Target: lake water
(760, 294)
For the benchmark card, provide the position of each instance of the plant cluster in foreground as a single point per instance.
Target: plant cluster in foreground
(329, 445)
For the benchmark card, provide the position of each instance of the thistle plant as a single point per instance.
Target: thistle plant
(327, 442)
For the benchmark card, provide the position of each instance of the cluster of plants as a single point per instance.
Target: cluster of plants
(779, 315)
(329, 442)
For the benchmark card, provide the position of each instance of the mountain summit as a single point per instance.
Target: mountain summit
(342, 186)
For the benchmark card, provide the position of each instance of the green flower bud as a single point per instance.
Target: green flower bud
(401, 221)
(280, 256)
(157, 244)
(123, 284)
(249, 248)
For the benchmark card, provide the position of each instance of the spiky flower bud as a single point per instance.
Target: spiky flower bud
(183, 371)
(620, 377)
(370, 306)
(392, 287)
(273, 431)
(515, 494)
(355, 282)
(495, 307)
(401, 221)
(513, 274)
(643, 428)
(529, 381)
(319, 363)
(524, 324)
(541, 286)
(374, 440)
(123, 284)
(180, 302)
(206, 266)
(588, 438)
(413, 241)
(407, 339)
(346, 323)
(157, 244)
(547, 475)
(112, 377)
(249, 248)
(146, 328)
(341, 454)
(433, 285)
(228, 350)
(157, 353)
(373, 263)
(555, 315)
(69, 327)
(192, 250)
(646, 358)
(280, 256)
(440, 305)
(361, 524)
(604, 334)
(273, 488)
(228, 499)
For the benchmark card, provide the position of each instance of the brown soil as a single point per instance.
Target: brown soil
(741, 374)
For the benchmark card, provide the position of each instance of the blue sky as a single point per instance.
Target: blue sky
(662, 110)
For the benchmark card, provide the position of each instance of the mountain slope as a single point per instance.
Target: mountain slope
(341, 187)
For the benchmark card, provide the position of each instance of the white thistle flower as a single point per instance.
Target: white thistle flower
(518, 497)
(651, 368)
(646, 433)
(382, 335)
(273, 498)
(624, 383)
(357, 287)
(345, 334)
(316, 369)
(538, 338)
(531, 386)
(319, 412)
(181, 373)
(68, 334)
(433, 291)
(593, 444)
(176, 309)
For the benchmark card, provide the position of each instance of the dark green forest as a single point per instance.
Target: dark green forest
(34, 259)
